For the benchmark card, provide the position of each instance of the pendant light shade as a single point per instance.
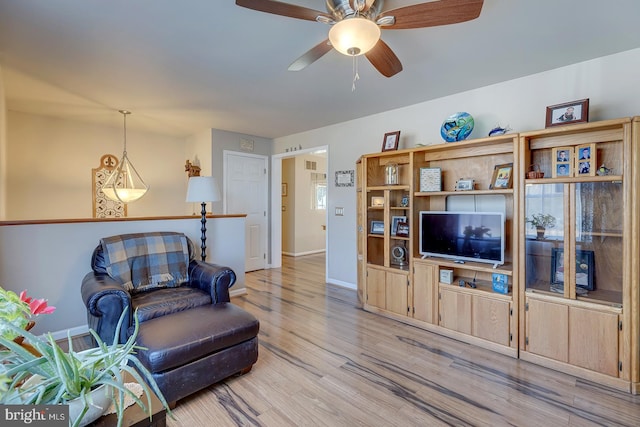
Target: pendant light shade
(124, 184)
(354, 36)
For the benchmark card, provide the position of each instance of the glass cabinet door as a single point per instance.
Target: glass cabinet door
(599, 241)
(582, 258)
(544, 237)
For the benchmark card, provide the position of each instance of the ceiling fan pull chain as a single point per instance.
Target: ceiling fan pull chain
(356, 76)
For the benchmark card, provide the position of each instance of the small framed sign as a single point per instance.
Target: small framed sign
(430, 179)
(344, 178)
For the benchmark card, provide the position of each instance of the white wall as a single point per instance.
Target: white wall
(611, 84)
(49, 162)
(3, 148)
(50, 260)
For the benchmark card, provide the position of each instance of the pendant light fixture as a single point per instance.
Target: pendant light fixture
(353, 37)
(124, 184)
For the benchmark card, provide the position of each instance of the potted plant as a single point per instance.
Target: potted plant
(49, 375)
(541, 222)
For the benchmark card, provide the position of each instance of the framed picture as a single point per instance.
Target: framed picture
(345, 178)
(586, 162)
(395, 220)
(562, 165)
(377, 227)
(284, 189)
(430, 179)
(502, 177)
(584, 268)
(465, 184)
(569, 112)
(391, 140)
(403, 229)
(404, 202)
(377, 202)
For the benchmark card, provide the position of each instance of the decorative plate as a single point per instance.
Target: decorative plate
(457, 127)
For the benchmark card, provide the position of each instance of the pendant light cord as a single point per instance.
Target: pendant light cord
(125, 113)
(356, 76)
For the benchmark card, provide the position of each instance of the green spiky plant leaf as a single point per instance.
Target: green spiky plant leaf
(65, 376)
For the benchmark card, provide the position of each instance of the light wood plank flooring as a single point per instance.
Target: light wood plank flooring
(324, 362)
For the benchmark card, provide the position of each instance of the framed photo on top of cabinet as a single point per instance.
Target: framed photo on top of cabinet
(390, 141)
(586, 163)
(562, 164)
(502, 177)
(584, 269)
(430, 179)
(568, 113)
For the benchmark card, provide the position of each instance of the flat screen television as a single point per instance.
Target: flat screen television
(463, 236)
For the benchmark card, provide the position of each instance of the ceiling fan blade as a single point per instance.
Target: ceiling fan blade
(383, 58)
(283, 9)
(311, 56)
(431, 14)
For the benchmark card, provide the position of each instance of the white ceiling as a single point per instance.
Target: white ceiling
(184, 66)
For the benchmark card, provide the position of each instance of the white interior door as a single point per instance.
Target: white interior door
(246, 192)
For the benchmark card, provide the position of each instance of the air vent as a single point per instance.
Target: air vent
(309, 165)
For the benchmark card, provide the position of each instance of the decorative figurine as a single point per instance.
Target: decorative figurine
(603, 170)
(499, 130)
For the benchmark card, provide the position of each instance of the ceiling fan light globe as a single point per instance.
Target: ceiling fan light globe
(354, 36)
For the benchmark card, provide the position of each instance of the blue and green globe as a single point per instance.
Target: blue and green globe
(457, 127)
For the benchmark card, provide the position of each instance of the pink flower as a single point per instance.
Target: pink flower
(38, 306)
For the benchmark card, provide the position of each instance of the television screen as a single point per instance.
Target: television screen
(463, 236)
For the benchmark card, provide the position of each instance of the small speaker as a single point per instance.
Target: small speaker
(446, 276)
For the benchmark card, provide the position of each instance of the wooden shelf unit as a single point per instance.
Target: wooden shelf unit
(591, 326)
(596, 335)
(420, 299)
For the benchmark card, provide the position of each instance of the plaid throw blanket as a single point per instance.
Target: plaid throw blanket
(143, 261)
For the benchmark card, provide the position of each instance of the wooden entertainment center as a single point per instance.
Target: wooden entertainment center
(582, 319)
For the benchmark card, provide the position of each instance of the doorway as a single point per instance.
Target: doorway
(314, 188)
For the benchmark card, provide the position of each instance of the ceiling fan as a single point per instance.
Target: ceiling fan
(355, 25)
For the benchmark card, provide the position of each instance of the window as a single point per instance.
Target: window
(318, 191)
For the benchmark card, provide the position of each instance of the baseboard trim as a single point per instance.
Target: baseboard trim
(343, 284)
(78, 330)
(295, 254)
(238, 292)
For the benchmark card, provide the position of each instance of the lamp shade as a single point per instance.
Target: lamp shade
(203, 189)
(354, 36)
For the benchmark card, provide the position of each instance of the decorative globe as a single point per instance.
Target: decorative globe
(457, 127)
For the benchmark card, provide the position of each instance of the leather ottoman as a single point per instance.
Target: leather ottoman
(192, 349)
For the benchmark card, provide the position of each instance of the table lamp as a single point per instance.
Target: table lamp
(203, 189)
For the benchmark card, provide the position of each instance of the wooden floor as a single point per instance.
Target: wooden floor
(324, 362)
